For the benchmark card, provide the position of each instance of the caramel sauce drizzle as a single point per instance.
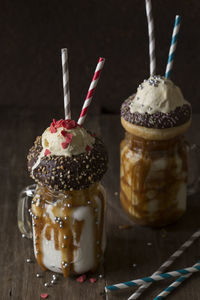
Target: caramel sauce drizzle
(137, 186)
(62, 205)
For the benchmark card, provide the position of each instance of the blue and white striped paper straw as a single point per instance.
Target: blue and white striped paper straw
(167, 263)
(153, 278)
(173, 286)
(173, 45)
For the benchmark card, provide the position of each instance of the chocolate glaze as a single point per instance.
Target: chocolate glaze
(69, 173)
(157, 120)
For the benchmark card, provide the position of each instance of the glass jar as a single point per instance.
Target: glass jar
(68, 227)
(153, 179)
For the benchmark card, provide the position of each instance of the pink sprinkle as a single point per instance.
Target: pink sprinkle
(52, 128)
(88, 148)
(69, 138)
(93, 280)
(47, 152)
(81, 278)
(44, 296)
(64, 133)
(65, 145)
(69, 124)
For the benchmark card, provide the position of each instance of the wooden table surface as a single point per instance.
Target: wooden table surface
(125, 247)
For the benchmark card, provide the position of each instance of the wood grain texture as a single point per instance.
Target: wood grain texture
(124, 247)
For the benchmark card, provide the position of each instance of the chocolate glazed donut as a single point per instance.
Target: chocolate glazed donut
(69, 173)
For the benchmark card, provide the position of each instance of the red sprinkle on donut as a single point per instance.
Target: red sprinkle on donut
(81, 278)
(47, 152)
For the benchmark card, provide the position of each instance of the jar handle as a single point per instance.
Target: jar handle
(193, 185)
(24, 220)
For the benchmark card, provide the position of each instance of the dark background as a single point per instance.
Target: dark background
(33, 32)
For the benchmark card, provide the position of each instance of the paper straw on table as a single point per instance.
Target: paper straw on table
(91, 90)
(66, 91)
(168, 263)
(153, 278)
(151, 37)
(173, 286)
(173, 45)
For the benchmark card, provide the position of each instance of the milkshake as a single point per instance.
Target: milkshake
(153, 174)
(68, 162)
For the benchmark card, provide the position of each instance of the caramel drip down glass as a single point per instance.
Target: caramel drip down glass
(67, 227)
(153, 179)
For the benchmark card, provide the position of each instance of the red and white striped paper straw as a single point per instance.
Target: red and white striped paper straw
(66, 91)
(91, 90)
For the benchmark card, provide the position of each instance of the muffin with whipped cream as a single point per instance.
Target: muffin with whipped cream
(158, 110)
(67, 157)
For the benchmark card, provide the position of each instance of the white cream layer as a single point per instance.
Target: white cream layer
(84, 256)
(53, 142)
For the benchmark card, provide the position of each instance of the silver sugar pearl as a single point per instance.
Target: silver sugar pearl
(89, 202)
(46, 284)
(61, 226)
(65, 218)
(66, 265)
(38, 275)
(28, 260)
(65, 237)
(23, 235)
(134, 265)
(100, 275)
(149, 244)
(35, 217)
(63, 245)
(54, 277)
(69, 205)
(52, 281)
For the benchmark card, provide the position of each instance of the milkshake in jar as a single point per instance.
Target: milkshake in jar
(153, 168)
(68, 162)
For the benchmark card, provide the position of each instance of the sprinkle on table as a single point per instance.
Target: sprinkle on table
(44, 296)
(93, 280)
(81, 278)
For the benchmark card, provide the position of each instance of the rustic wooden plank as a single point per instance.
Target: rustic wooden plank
(128, 247)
